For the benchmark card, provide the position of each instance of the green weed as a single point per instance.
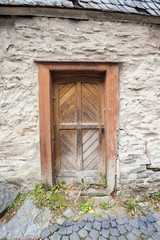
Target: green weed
(102, 179)
(99, 214)
(130, 206)
(84, 184)
(86, 207)
(104, 206)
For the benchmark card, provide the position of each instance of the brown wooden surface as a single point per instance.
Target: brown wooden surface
(47, 128)
(79, 120)
(46, 125)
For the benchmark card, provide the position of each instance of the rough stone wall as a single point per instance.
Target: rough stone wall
(136, 46)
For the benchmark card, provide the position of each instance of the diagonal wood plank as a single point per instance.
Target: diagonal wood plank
(90, 102)
(68, 140)
(90, 142)
(67, 103)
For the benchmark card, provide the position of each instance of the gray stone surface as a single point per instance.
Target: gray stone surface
(45, 233)
(85, 229)
(114, 232)
(105, 224)
(136, 231)
(81, 224)
(74, 236)
(88, 226)
(105, 233)
(97, 225)
(83, 233)
(68, 213)
(75, 228)
(7, 196)
(131, 236)
(28, 220)
(121, 229)
(65, 238)
(150, 218)
(94, 234)
(122, 237)
(133, 223)
(55, 236)
(91, 218)
(54, 228)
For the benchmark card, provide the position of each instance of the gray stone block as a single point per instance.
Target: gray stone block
(84, 217)
(114, 232)
(68, 213)
(157, 227)
(105, 224)
(112, 217)
(45, 233)
(128, 227)
(133, 223)
(143, 218)
(143, 231)
(69, 230)
(121, 229)
(88, 226)
(113, 238)
(75, 228)
(150, 218)
(102, 238)
(83, 233)
(65, 238)
(156, 236)
(7, 196)
(144, 236)
(136, 231)
(131, 236)
(142, 225)
(62, 230)
(74, 236)
(69, 223)
(54, 228)
(113, 224)
(98, 219)
(105, 217)
(91, 218)
(81, 224)
(122, 237)
(55, 236)
(97, 225)
(105, 233)
(94, 234)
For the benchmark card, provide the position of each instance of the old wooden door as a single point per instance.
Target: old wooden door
(79, 125)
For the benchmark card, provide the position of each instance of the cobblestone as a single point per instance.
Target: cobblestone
(114, 227)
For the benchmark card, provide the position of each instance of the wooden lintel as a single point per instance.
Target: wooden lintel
(79, 14)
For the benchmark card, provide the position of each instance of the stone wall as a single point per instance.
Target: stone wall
(136, 46)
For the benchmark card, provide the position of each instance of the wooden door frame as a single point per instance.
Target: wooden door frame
(46, 115)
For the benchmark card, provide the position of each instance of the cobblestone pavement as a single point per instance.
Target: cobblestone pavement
(113, 227)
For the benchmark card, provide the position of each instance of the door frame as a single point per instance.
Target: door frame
(46, 98)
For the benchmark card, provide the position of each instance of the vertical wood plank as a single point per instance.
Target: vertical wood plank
(111, 123)
(79, 131)
(45, 125)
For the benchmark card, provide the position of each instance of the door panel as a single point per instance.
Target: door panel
(90, 144)
(89, 103)
(68, 149)
(67, 103)
(78, 117)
